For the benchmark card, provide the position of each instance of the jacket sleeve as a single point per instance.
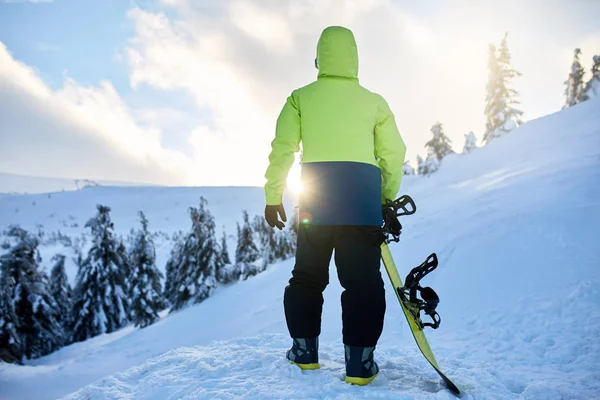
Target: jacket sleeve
(389, 150)
(286, 143)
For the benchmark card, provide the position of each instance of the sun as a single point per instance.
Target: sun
(294, 184)
(293, 181)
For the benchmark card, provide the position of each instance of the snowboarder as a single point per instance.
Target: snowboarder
(352, 162)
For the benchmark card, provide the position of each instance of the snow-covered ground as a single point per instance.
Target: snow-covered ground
(516, 226)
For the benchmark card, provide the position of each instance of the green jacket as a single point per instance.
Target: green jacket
(337, 121)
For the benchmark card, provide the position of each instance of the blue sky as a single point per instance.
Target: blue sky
(81, 37)
(182, 92)
(84, 40)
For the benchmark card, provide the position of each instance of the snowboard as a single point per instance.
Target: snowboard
(416, 330)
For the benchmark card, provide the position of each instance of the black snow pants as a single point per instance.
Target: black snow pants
(357, 258)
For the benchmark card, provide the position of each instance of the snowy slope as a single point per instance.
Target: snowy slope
(516, 227)
(165, 207)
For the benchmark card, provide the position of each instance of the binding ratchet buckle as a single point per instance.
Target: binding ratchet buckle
(429, 298)
(404, 205)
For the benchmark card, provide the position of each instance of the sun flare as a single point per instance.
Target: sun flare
(295, 185)
(293, 181)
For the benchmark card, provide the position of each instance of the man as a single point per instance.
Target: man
(352, 161)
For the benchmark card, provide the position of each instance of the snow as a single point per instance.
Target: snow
(515, 226)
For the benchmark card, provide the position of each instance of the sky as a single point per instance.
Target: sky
(182, 92)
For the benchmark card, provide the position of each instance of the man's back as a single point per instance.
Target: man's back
(349, 137)
(338, 117)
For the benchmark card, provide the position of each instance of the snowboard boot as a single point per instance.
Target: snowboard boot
(305, 353)
(361, 369)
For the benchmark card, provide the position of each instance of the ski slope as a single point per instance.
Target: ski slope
(515, 226)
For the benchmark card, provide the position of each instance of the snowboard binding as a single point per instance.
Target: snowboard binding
(429, 299)
(404, 205)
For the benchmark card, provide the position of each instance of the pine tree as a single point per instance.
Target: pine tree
(246, 253)
(273, 245)
(574, 83)
(11, 348)
(146, 292)
(286, 243)
(100, 304)
(10, 341)
(501, 116)
(295, 223)
(440, 144)
(432, 164)
(407, 169)
(226, 271)
(29, 326)
(470, 143)
(264, 236)
(61, 292)
(126, 268)
(171, 266)
(224, 251)
(421, 167)
(195, 263)
(592, 87)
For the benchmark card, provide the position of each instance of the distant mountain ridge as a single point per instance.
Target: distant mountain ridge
(27, 184)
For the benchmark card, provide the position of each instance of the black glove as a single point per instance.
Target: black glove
(390, 221)
(271, 215)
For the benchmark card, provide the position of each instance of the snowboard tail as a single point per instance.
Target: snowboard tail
(414, 325)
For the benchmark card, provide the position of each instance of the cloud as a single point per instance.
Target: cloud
(77, 131)
(265, 26)
(243, 59)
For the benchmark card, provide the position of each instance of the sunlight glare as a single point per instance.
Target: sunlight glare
(293, 180)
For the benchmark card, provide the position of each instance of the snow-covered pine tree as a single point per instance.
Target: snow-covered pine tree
(126, 269)
(592, 87)
(172, 265)
(273, 245)
(440, 144)
(421, 167)
(145, 289)
(10, 341)
(246, 253)
(407, 169)
(62, 293)
(286, 243)
(194, 278)
(28, 308)
(11, 350)
(264, 237)
(226, 271)
(224, 250)
(295, 223)
(470, 143)
(100, 296)
(574, 83)
(501, 115)
(432, 164)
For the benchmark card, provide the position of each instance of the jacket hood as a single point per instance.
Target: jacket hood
(337, 54)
